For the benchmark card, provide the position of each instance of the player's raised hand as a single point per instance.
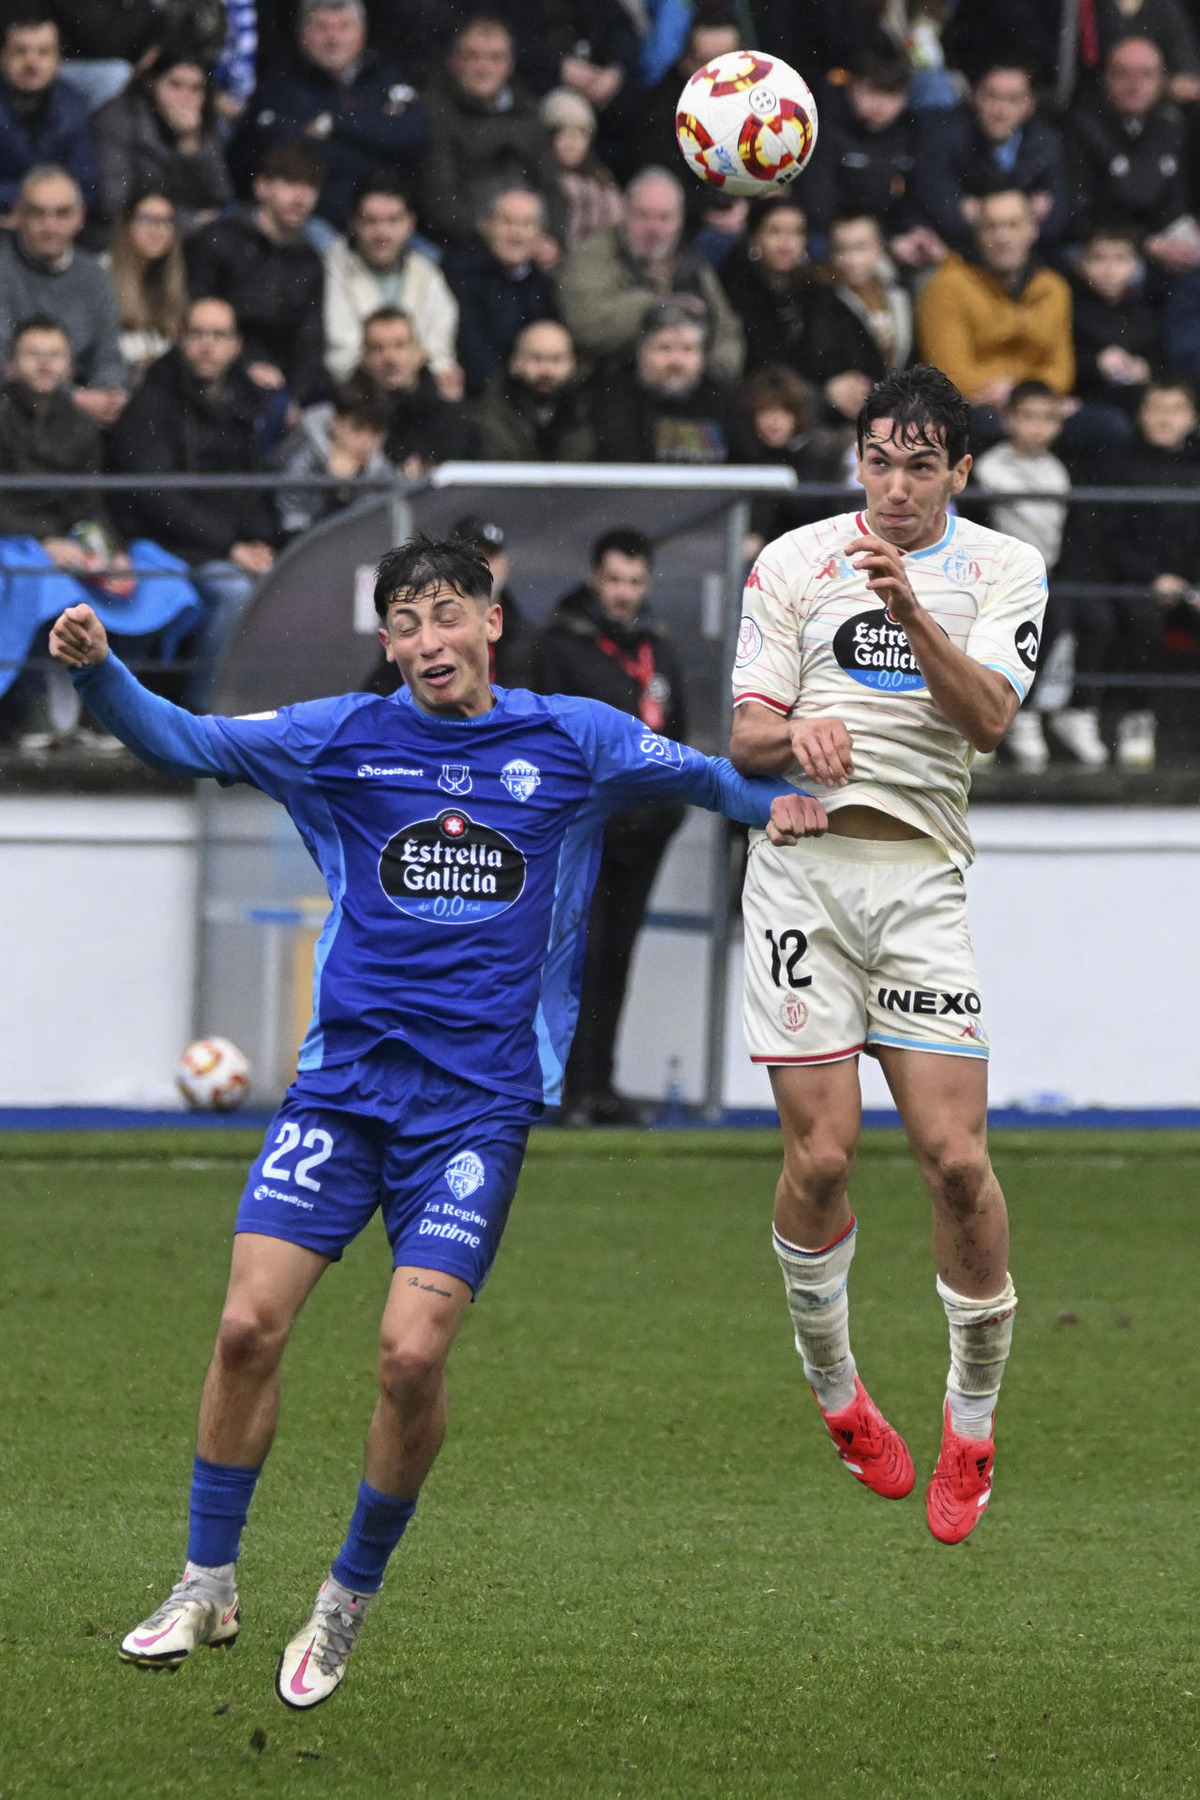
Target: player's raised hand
(77, 638)
(883, 565)
(822, 748)
(795, 816)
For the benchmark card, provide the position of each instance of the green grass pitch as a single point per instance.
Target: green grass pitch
(638, 1569)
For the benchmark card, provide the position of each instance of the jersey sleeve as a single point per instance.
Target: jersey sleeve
(631, 763)
(1008, 631)
(767, 666)
(271, 751)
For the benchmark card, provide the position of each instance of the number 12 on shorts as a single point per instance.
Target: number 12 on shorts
(786, 953)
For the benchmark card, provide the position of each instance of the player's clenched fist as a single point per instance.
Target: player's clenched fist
(794, 816)
(77, 638)
(822, 748)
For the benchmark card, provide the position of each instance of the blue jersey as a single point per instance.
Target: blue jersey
(459, 854)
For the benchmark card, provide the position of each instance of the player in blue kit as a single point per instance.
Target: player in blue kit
(458, 828)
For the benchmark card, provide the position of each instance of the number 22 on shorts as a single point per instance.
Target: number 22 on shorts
(289, 1139)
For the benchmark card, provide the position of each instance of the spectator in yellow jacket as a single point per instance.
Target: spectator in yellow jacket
(1002, 318)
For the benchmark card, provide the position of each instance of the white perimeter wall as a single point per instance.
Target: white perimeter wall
(97, 906)
(1085, 925)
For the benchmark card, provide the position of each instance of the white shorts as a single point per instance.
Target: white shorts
(851, 944)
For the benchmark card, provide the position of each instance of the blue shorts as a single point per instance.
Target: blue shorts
(439, 1155)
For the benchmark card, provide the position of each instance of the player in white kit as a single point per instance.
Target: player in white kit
(879, 650)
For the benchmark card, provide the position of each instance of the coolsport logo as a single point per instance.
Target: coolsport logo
(874, 650)
(451, 869)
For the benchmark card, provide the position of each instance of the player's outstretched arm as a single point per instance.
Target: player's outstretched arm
(795, 816)
(165, 736)
(78, 639)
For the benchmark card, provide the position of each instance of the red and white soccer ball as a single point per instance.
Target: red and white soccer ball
(746, 123)
(213, 1075)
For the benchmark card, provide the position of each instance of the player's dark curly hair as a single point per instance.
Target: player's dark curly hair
(410, 568)
(925, 407)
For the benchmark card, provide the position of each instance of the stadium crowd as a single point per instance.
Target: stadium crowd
(342, 239)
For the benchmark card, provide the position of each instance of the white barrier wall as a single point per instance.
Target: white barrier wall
(97, 911)
(1084, 923)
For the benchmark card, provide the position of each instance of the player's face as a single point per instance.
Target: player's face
(907, 487)
(439, 642)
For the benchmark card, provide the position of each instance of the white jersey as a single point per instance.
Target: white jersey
(816, 644)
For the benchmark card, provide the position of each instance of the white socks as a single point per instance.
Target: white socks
(815, 1282)
(980, 1339)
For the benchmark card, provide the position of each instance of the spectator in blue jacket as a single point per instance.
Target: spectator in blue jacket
(498, 285)
(42, 118)
(992, 144)
(340, 98)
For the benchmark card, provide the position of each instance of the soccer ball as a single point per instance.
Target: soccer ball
(746, 123)
(213, 1075)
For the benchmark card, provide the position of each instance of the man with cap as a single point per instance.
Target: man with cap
(338, 96)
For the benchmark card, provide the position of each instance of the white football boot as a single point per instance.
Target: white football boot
(196, 1611)
(1026, 744)
(1077, 728)
(314, 1662)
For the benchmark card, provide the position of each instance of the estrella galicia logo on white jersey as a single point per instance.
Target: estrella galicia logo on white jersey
(661, 749)
(1026, 641)
(455, 778)
(521, 778)
(750, 642)
(464, 1173)
(451, 869)
(873, 649)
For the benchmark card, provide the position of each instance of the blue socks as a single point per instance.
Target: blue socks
(221, 1495)
(377, 1526)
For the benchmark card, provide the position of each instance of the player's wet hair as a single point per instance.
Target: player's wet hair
(926, 409)
(425, 562)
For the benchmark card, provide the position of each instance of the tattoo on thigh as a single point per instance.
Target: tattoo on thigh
(430, 1287)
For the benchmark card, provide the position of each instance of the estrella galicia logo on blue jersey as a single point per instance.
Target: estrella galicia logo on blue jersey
(451, 869)
(455, 778)
(521, 778)
(873, 649)
(464, 1173)
(661, 750)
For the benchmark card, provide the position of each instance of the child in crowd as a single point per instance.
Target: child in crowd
(1118, 341)
(344, 438)
(1023, 462)
(782, 412)
(594, 201)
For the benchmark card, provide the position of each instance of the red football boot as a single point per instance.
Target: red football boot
(961, 1486)
(873, 1452)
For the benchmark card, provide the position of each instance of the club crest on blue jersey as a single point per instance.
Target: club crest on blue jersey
(455, 778)
(451, 869)
(464, 1173)
(521, 778)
